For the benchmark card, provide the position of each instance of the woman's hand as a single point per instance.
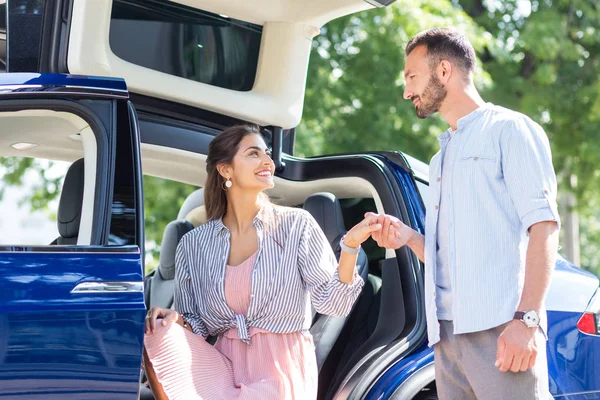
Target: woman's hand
(393, 234)
(361, 231)
(168, 316)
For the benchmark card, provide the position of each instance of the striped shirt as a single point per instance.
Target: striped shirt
(500, 182)
(294, 265)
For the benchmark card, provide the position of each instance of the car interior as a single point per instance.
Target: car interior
(58, 136)
(336, 202)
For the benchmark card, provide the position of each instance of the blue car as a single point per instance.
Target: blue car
(73, 297)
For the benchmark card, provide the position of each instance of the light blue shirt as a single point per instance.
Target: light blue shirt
(443, 284)
(501, 183)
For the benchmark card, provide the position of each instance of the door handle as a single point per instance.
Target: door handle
(108, 287)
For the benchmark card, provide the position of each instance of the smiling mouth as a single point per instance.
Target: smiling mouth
(265, 174)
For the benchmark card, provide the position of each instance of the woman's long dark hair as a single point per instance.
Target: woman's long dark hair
(222, 149)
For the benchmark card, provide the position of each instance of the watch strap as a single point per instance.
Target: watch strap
(519, 315)
(529, 320)
(349, 250)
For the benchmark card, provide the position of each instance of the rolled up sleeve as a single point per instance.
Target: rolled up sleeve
(319, 270)
(184, 301)
(528, 173)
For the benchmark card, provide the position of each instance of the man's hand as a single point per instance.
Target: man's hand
(393, 233)
(517, 348)
(361, 231)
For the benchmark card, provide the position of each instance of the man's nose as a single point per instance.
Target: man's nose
(408, 94)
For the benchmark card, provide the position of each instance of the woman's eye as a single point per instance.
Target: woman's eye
(254, 153)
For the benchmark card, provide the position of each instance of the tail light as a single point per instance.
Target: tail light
(590, 320)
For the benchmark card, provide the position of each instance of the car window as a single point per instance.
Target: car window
(163, 199)
(28, 200)
(47, 178)
(186, 42)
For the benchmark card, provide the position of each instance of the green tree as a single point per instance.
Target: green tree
(546, 64)
(354, 96)
(162, 200)
(540, 58)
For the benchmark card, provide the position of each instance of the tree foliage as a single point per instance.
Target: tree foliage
(540, 57)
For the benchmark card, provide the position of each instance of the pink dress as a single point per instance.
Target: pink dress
(276, 367)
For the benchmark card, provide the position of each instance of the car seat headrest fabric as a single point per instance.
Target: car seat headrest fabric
(172, 234)
(327, 211)
(194, 200)
(71, 201)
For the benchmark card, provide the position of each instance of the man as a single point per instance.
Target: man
(491, 231)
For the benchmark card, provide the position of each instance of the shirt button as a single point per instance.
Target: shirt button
(476, 158)
(439, 179)
(546, 191)
(436, 207)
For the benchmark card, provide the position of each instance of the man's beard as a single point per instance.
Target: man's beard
(434, 95)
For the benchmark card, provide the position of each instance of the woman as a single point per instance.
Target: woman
(248, 276)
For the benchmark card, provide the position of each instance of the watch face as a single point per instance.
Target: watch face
(531, 319)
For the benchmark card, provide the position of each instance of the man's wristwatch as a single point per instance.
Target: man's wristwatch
(530, 318)
(347, 249)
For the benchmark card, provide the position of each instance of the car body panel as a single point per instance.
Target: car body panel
(36, 84)
(385, 387)
(573, 357)
(56, 344)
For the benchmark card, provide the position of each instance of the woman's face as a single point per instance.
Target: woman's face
(252, 167)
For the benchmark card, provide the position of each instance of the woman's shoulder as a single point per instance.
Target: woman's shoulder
(291, 213)
(199, 234)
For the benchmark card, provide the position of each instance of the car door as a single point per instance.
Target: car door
(72, 309)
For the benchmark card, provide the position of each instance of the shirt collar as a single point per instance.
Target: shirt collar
(258, 222)
(463, 121)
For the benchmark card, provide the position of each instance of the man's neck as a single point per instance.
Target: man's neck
(459, 105)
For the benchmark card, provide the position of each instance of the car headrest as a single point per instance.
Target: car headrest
(326, 210)
(194, 200)
(172, 234)
(71, 201)
(197, 216)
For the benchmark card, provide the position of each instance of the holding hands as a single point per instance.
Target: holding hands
(388, 231)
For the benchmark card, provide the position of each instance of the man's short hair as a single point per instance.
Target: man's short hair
(445, 44)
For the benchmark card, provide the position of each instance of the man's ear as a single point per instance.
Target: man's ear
(444, 71)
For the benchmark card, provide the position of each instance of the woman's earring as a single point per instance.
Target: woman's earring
(227, 184)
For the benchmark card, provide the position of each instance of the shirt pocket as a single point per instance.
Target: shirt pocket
(477, 169)
(478, 158)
